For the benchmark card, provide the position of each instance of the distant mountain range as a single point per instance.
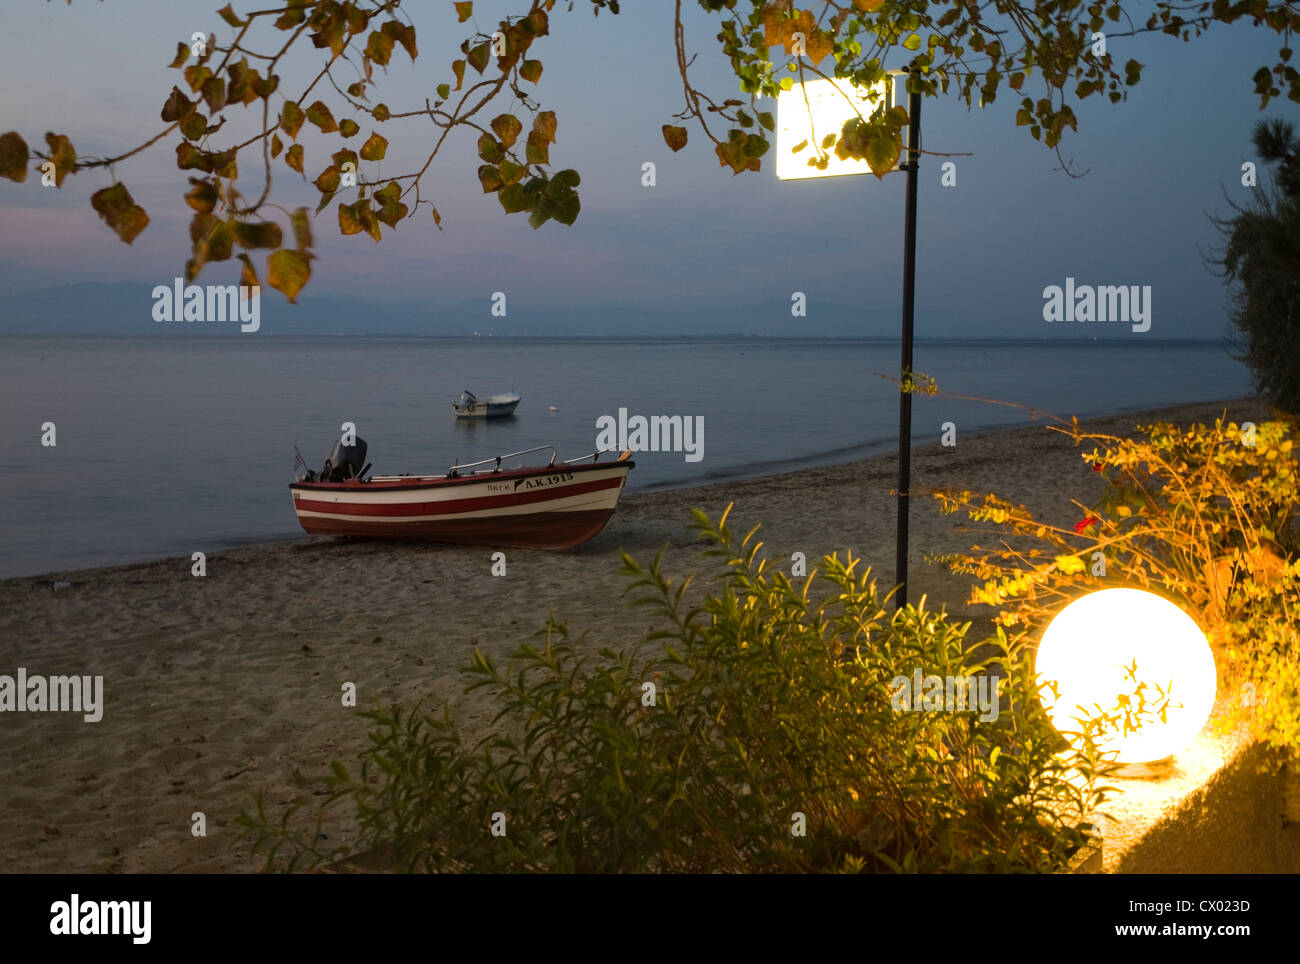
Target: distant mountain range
(126, 308)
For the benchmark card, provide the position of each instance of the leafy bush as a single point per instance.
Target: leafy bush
(1205, 516)
(772, 712)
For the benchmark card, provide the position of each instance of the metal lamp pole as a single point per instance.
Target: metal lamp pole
(909, 299)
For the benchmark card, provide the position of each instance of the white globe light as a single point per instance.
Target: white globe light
(1089, 649)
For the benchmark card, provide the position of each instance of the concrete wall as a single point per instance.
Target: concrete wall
(1231, 823)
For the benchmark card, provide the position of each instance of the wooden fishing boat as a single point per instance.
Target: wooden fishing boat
(556, 505)
(497, 406)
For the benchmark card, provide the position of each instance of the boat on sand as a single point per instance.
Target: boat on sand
(552, 505)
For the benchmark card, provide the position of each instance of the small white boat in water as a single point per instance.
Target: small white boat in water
(497, 406)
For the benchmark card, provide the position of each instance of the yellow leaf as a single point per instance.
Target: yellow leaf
(1069, 565)
(374, 149)
(288, 271)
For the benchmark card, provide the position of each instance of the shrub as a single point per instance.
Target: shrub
(772, 712)
(1205, 516)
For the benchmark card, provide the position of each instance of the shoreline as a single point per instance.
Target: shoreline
(218, 687)
(866, 452)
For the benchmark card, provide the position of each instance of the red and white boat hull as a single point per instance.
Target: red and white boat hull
(549, 507)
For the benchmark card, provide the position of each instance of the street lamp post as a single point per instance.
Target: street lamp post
(909, 300)
(823, 106)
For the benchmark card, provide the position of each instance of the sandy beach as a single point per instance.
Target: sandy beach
(216, 687)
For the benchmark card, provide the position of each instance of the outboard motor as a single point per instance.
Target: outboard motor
(345, 462)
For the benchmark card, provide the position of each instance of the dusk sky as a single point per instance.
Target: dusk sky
(700, 239)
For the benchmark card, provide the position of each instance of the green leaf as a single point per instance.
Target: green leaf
(258, 234)
(319, 114)
(293, 157)
(896, 116)
(766, 121)
(348, 127)
(510, 171)
(301, 222)
(512, 198)
(194, 125)
(566, 211)
(444, 91)
(217, 245)
(478, 57)
(291, 118)
(375, 147)
(196, 75)
(531, 70)
(288, 271)
(214, 93)
(882, 151)
(391, 209)
(228, 15)
(539, 216)
(490, 177)
(264, 87)
(291, 17)
(120, 212)
(182, 55)
(13, 157)
(404, 35)
(380, 113)
(341, 157)
(913, 42)
(489, 149)
(537, 151)
(379, 47)
(247, 274)
(212, 242)
(203, 196)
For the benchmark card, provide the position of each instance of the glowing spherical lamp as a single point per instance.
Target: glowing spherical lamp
(1089, 650)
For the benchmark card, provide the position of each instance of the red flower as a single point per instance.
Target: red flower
(1084, 523)
(1097, 467)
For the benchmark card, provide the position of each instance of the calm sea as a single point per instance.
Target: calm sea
(165, 446)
